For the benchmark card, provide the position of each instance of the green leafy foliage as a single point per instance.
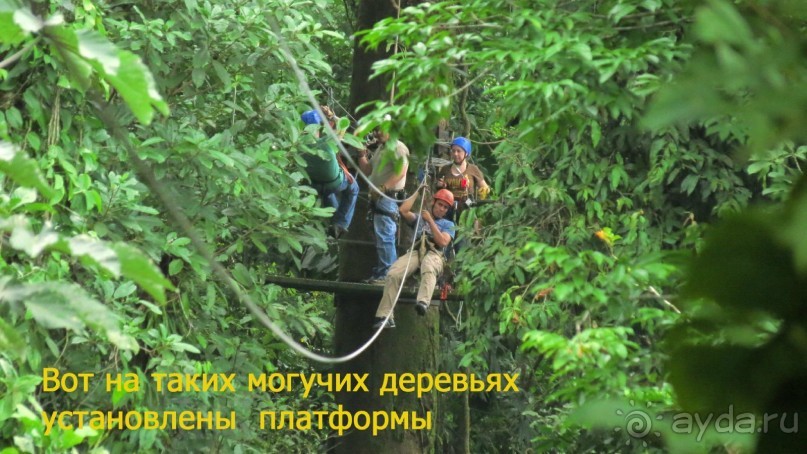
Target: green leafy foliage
(744, 291)
(572, 279)
(95, 278)
(578, 263)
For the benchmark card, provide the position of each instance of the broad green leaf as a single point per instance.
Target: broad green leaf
(10, 341)
(65, 44)
(175, 267)
(793, 230)
(96, 48)
(222, 74)
(596, 134)
(720, 21)
(183, 347)
(86, 50)
(22, 169)
(16, 22)
(23, 239)
(136, 266)
(136, 84)
(620, 10)
(56, 305)
(353, 141)
(242, 275)
(706, 378)
(744, 266)
(97, 251)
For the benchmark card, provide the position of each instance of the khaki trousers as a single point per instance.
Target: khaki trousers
(431, 265)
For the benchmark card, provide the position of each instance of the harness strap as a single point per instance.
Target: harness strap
(332, 180)
(342, 165)
(395, 216)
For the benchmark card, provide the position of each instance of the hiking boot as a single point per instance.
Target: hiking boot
(379, 321)
(338, 231)
(375, 280)
(421, 307)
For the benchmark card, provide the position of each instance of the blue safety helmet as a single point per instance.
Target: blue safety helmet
(463, 143)
(311, 117)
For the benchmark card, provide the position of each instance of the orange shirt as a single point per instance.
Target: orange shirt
(463, 185)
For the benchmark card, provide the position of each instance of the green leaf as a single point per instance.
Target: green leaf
(10, 341)
(57, 305)
(353, 141)
(23, 239)
(16, 22)
(175, 267)
(137, 87)
(64, 43)
(720, 21)
(222, 74)
(793, 230)
(139, 268)
(86, 50)
(621, 10)
(242, 276)
(744, 266)
(97, 251)
(22, 169)
(616, 173)
(95, 48)
(183, 347)
(706, 378)
(596, 134)
(198, 76)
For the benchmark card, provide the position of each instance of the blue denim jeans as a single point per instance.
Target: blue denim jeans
(385, 229)
(345, 204)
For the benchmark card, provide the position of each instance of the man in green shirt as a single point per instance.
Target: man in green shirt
(330, 177)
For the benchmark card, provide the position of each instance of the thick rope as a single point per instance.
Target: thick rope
(315, 106)
(177, 214)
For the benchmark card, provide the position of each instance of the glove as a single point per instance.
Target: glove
(483, 192)
(328, 112)
(370, 140)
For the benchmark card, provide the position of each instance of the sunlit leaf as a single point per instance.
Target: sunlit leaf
(136, 266)
(16, 22)
(22, 169)
(10, 340)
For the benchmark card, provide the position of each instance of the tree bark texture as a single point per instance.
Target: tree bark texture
(413, 345)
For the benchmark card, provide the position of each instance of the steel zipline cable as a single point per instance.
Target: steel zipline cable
(176, 212)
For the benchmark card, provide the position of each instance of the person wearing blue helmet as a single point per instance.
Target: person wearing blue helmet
(464, 180)
(329, 175)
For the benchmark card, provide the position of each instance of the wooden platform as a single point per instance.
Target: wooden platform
(407, 294)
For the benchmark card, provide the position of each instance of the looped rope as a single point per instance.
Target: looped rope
(315, 106)
(176, 211)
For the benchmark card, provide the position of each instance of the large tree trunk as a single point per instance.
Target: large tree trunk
(362, 89)
(412, 345)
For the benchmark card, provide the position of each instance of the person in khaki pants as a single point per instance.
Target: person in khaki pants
(433, 234)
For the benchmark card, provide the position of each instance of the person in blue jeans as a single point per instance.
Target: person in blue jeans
(330, 177)
(387, 170)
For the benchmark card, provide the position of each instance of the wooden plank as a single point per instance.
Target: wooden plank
(360, 288)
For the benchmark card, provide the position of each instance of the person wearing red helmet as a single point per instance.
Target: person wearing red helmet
(434, 232)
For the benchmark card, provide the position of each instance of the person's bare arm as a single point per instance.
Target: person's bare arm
(406, 207)
(441, 239)
(394, 179)
(364, 163)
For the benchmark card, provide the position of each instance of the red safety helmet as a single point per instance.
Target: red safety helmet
(445, 195)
